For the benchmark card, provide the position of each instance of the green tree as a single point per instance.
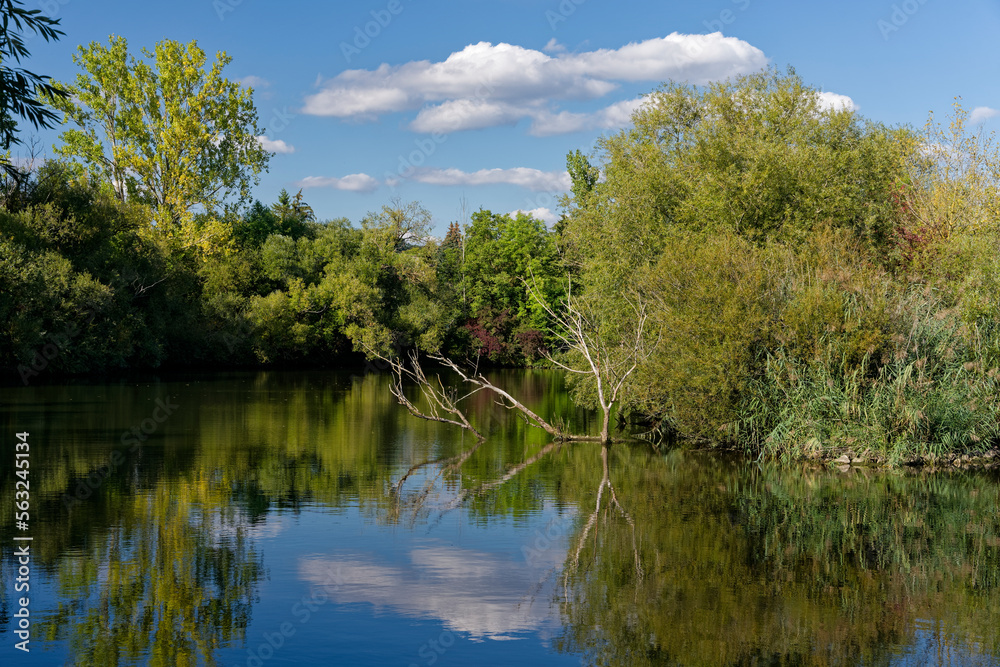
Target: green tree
(22, 92)
(399, 226)
(582, 174)
(503, 254)
(757, 155)
(256, 225)
(293, 213)
(450, 255)
(171, 133)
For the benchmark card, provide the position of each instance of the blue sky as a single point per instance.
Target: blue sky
(441, 102)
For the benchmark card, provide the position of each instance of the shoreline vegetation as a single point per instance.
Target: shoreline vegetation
(778, 277)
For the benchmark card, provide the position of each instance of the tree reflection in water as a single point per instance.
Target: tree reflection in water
(172, 581)
(750, 565)
(683, 558)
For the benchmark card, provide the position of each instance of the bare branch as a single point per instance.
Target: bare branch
(592, 522)
(480, 381)
(440, 401)
(512, 472)
(609, 361)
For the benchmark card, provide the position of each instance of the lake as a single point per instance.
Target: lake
(290, 518)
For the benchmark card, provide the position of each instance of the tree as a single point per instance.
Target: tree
(757, 155)
(293, 213)
(950, 185)
(499, 252)
(450, 253)
(400, 226)
(604, 352)
(170, 134)
(22, 93)
(583, 175)
(443, 401)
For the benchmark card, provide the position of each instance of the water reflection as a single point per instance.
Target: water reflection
(479, 594)
(162, 585)
(765, 565)
(263, 489)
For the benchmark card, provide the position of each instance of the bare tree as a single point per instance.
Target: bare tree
(610, 357)
(442, 401)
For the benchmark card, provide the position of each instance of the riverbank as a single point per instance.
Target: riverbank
(989, 460)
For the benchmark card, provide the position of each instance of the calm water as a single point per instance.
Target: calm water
(304, 518)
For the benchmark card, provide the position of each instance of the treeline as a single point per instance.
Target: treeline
(137, 246)
(90, 286)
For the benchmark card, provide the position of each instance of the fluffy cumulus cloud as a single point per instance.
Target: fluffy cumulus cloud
(351, 182)
(982, 114)
(546, 215)
(486, 85)
(531, 179)
(275, 145)
(457, 115)
(615, 116)
(837, 102)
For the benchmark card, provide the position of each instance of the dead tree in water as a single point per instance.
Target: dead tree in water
(443, 401)
(608, 357)
(593, 520)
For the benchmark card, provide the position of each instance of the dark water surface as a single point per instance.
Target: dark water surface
(260, 519)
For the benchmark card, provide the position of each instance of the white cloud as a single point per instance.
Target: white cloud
(546, 215)
(351, 182)
(525, 177)
(456, 115)
(275, 145)
(254, 81)
(698, 59)
(485, 85)
(982, 114)
(553, 46)
(616, 116)
(836, 102)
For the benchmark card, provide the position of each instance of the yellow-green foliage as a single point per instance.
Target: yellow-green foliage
(838, 305)
(977, 291)
(756, 155)
(814, 282)
(714, 307)
(723, 304)
(812, 347)
(951, 178)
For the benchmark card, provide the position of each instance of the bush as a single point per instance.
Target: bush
(812, 348)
